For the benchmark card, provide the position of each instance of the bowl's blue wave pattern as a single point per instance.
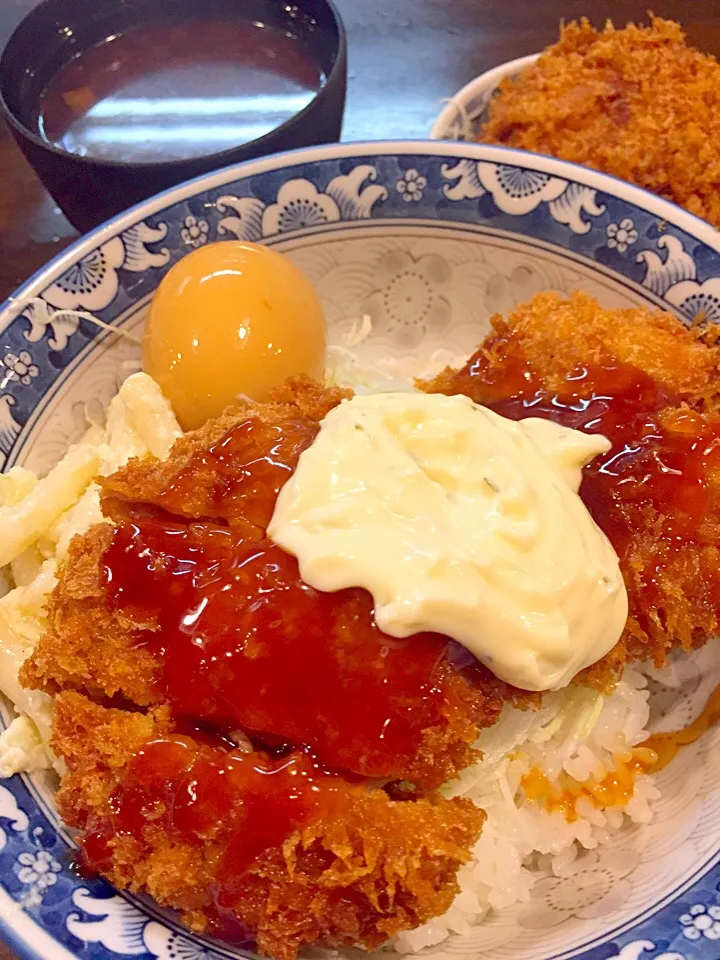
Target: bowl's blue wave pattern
(670, 254)
(617, 234)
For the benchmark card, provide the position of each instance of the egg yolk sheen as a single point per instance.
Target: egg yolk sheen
(230, 319)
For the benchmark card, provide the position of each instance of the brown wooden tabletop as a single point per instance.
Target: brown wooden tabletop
(405, 56)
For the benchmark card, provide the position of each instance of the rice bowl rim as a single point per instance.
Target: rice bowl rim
(665, 210)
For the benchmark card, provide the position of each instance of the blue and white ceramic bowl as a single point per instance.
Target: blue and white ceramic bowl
(428, 239)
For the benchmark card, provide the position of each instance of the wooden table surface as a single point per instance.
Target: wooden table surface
(405, 56)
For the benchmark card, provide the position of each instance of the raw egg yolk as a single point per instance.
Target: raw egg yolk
(231, 318)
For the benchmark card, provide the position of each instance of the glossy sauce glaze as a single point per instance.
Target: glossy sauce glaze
(236, 479)
(171, 91)
(247, 649)
(245, 643)
(238, 804)
(662, 457)
(649, 453)
(244, 482)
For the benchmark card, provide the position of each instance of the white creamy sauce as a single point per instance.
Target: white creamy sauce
(463, 522)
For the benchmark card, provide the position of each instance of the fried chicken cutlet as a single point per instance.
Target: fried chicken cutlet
(637, 102)
(321, 856)
(211, 473)
(277, 658)
(651, 386)
(328, 861)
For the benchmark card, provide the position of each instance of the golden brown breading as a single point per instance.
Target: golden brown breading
(382, 868)
(384, 865)
(387, 867)
(85, 647)
(664, 518)
(96, 743)
(103, 652)
(103, 649)
(637, 103)
(192, 484)
(557, 334)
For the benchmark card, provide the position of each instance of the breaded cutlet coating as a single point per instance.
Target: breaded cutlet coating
(383, 868)
(637, 102)
(103, 651)
(87, 647)
(555, 334)
(101, 648)
(387, 865)
(670, 561)
(191, 484)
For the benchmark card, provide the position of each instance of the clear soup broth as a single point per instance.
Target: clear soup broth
(176, 91)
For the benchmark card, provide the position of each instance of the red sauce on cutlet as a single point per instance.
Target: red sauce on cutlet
(657, 464)
(247, 644)
(242, 474)
(241, 803)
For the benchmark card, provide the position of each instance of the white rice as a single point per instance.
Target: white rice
(576, 731)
